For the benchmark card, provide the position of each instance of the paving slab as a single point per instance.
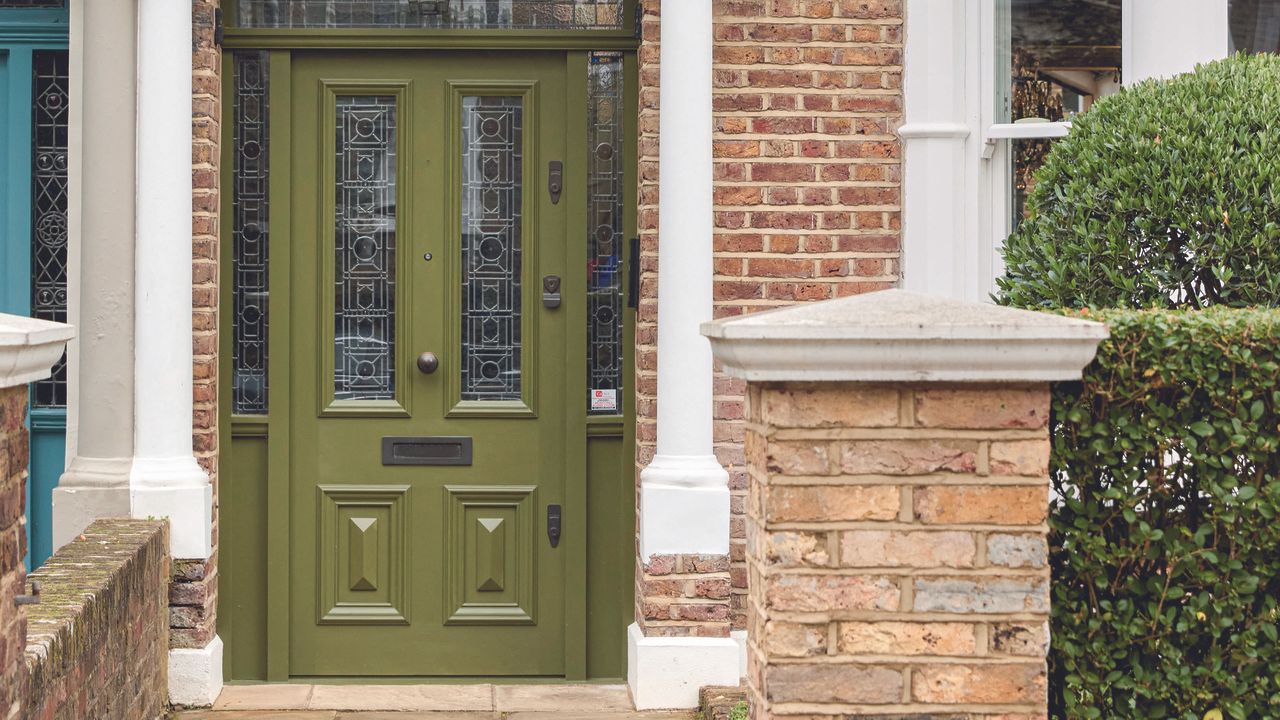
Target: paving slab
(599, 716)
(264, 697)
(420, 698)
(562, 698)
(254, 715)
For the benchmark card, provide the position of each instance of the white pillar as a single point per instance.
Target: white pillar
(1163, 38)
(684, 492)
(941, 248)
(166, 481)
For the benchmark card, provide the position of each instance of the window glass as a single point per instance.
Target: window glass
(249, 235)
(49, 209)
(605, 190)
(1054, 58)
(481, 14)
(1255, 26)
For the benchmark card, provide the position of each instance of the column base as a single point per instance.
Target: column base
(195, 674)
(91, 488)
(740, 637)
(684, 507)
(665, 673)
(178, 489)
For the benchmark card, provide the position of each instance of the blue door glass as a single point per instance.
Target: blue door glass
(33, 208)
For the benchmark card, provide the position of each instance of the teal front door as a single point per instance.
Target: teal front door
(33, 223)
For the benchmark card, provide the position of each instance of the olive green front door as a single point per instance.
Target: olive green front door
(428, 421)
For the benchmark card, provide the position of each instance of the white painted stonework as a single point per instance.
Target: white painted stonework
(29, 348)
(900, 336)
(195, 675)
(165, 480)
(666, 672)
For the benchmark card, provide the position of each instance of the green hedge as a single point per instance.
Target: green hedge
(1165, 194)
(1166, 541)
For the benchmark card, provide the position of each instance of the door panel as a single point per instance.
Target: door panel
(422, 225)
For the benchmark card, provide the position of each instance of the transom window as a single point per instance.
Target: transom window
(433, 14)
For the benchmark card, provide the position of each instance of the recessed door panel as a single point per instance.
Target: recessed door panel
(428, 416)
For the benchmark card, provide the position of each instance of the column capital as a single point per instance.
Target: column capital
(901, 336)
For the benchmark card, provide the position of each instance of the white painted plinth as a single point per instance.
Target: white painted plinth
(677, 520)
(190, 512)
(665, 673)
(195, 674)
(74, 508)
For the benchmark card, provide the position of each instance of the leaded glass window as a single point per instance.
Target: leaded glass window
(49, 208)
(604, 232)
(365, 249)
(478, 14)
(492, 192)
(32, 3)
(249, 236)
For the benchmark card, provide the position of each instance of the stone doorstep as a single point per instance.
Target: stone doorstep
(482, 698)
(334, 715)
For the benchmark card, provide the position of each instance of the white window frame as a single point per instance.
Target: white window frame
(956, 212)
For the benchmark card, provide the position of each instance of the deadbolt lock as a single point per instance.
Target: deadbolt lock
(551, 291)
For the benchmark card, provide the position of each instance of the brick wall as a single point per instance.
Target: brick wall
(98, 643)
(193, 595)
(898, 551)
(808, 96)
(13, 545)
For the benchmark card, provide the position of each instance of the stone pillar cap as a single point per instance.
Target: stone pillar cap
(900, 336)
(29, 348)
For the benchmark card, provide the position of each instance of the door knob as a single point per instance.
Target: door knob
(428, 363)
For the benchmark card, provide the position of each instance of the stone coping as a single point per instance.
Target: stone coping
(29, 348)
(900, 336)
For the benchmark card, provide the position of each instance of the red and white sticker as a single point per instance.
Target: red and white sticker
(604, 399)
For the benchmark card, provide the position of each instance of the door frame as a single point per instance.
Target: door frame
(23, 32)
(236, 520)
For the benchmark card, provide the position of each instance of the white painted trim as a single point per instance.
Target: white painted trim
(195, 675)
(1163, 38)
(665, 673)
(899, 336)
(684, 492)
(740, 637)
(917, 131)
(165, 480)
(29, 348)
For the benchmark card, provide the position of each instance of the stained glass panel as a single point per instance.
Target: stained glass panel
(249, 236)
(365, 249)
(492, 159)
(477, 14)
(32, 3)
(49, 208)
(604, 233)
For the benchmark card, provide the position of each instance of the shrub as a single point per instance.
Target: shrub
(1166, 545)
(1165, 194)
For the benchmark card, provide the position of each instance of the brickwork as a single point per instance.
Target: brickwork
(808, 96)
(898, 551)
(13, 545)
(98, 643)
(194, 591)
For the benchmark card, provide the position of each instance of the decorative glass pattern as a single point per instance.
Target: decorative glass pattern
(32, 3)
(492, 192)
(365, 249)
(438, 14)
(249, 236)
(605, 133)
(49, 208)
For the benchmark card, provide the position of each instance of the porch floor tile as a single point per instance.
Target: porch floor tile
(427, 702)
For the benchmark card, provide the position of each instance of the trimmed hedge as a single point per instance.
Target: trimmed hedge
(1163, 195)
(1166, 541)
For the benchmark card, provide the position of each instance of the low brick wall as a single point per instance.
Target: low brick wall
(897, 550)
(13, 543)
(98, 642)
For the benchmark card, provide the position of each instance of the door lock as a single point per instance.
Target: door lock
(555, 180)
(553, 524)
(551, 291)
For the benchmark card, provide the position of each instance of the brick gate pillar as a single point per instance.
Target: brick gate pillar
(898, 449)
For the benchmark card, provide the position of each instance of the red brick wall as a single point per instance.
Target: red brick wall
(193, 595)
(13, 544)
(98, 643)
(808, 96)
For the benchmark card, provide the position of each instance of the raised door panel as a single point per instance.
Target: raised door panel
(364, 554)
(490, 559)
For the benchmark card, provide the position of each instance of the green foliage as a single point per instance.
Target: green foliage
(1166, 544)
(1163, 195)
(740, 711)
